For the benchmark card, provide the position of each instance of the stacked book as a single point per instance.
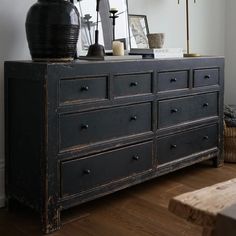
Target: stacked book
(111, 58)
(158, 53)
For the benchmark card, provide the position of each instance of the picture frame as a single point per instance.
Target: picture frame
(138, 26)
(87, 10)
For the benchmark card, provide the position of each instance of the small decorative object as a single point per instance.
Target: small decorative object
(156, 40)
(188, 54)
(96, 50)
(138, 31)
(118, 48)
(113, 16)
(52, 29)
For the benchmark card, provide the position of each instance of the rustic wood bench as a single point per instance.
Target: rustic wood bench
(202, 207)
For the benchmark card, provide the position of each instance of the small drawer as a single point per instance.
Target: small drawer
(181, 145)
(84, 174)
(168, 81)
(175, 111)
(206, 77)
(82, 129)
(132, 84)
(83, 90)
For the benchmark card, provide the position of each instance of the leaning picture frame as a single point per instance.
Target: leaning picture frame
(138, 26)
(87, 11)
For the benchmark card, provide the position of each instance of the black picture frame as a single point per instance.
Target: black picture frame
(138, 27)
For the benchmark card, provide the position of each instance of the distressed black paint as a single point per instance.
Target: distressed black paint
(54, 135)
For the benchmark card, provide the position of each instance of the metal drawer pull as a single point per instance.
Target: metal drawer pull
(133, 84)
(206, 137)
(133, 118)
(174, 110)
(87, 172)
(173, 80)
(206, 104)
(136, 157)
(207, 76)
(173, 146)
(84, 88)
(84, 127)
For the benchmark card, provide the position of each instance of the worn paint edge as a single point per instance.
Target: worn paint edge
(2, 195)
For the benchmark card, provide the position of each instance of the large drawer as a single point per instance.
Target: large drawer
(206, 77)
(81, 129)
(187, 109)
(188, 143)
(83, 90)
(83, 174)
(168, 81)
(132, 84)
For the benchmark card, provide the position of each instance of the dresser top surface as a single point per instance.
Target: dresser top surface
(75, 62)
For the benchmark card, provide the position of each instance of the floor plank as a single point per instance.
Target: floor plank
(138, 211)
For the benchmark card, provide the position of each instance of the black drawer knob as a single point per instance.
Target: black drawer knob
(87, 172)
(206, 137)
(173, 146)
(133, 84)
(136, 157)
(84, 88)
(84, 127)
(133, 118)
(207, 76)
(174, 110)
(206, 104)
(173, 80)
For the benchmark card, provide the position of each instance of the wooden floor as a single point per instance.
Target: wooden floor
(137, 211)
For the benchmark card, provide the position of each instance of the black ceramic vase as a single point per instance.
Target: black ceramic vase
(52, 29)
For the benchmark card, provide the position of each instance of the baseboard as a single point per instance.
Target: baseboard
(2, 194)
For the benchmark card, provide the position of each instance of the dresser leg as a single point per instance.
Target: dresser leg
(12, 204)
(218, 161)
(51, 220)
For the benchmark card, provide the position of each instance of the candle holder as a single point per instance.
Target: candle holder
(96, 50)
(188, 54)
(113, 16)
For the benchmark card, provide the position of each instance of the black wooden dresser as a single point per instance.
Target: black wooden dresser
(78, 131)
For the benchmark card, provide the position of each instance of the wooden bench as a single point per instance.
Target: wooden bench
(202, 207)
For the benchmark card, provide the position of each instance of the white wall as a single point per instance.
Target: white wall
(164, 16)
(208, 27)
(230, 53)
(13, 46)
(207, 19)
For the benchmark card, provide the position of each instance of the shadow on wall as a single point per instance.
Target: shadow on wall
(13, 46)
(9, 37)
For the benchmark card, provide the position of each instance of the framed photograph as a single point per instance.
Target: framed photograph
(138, 31)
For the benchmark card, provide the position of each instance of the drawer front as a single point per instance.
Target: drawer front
(184, 144)
(83, 129)
(83, 174)
(176, 111)
(206, 77)
(168, 81)
(132, 84)
(83, 90)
